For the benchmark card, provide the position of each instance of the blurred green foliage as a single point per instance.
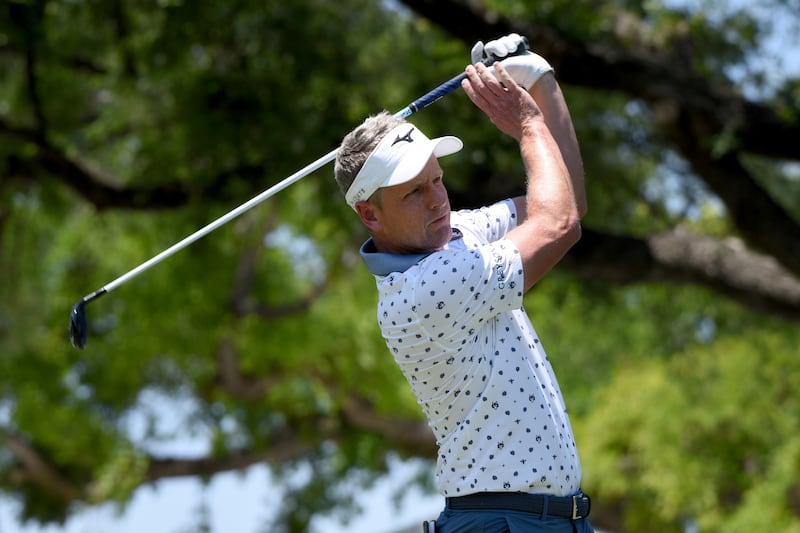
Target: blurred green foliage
(684, 404)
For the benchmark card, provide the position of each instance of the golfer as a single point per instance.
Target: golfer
(451, 285)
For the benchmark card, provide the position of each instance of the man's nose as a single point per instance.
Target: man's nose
(437, 197)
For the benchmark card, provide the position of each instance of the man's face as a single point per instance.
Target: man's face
(413, 217)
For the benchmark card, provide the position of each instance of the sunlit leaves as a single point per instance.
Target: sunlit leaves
(699, 433)
(678, 396)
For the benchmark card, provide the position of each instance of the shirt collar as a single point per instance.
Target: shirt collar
(383, 264)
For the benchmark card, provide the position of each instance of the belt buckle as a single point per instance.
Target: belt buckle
(575, 515)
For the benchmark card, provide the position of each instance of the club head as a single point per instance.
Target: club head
(78, 326)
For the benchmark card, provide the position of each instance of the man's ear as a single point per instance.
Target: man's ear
(368, 213)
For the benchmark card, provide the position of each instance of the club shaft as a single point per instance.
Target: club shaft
(418, 104)
(224, 219)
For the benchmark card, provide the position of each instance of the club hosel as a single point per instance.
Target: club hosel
(94, 296)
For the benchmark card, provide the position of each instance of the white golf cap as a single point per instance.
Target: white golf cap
(399, 157)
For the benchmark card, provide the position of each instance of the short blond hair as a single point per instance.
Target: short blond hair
(358, 144)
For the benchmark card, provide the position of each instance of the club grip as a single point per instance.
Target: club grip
(442, 90)
(455, 83)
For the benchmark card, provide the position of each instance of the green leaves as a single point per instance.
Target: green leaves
(120, 141)
(700, 433)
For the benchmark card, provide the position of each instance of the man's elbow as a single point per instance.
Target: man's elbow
(566, 232)
(573, 232)
(582, 208)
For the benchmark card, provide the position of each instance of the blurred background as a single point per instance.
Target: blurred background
(242, 385)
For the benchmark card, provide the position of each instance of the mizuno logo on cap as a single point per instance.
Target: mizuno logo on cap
(406, 137)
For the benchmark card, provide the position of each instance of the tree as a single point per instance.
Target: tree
(120, 141)
(671, 68)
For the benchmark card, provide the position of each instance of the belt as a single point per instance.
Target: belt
(572, 507)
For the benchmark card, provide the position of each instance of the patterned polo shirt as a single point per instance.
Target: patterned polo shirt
(454, 322)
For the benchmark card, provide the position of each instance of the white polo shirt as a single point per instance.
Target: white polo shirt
(454, 322)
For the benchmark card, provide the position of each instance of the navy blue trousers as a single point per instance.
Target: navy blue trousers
(501, 521)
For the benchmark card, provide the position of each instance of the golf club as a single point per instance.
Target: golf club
(78, 323)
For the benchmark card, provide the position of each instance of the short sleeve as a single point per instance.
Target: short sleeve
(463, 289)
(489, 223)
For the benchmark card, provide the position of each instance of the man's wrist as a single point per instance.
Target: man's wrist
(532, 127)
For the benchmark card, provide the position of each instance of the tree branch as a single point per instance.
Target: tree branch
(242, 301)
(24, 15)
(726, 266)
(38, 470)
(753, 211)
(652, 74)
(237, 385)
(287, 446)
(689, 106)
(122, 28)
(413, 436)
(95, 189)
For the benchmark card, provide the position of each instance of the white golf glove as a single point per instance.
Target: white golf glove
(525, 69)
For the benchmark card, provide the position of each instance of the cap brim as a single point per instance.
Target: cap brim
(399, 157)
(447, 145)
(412, 163)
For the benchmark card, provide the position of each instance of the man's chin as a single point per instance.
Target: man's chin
(444, 234)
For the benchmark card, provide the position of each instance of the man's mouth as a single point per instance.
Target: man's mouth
(441, 220)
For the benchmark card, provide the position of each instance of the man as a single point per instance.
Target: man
(451, 286)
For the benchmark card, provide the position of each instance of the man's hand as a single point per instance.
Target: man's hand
(525, 69)
(510, 107)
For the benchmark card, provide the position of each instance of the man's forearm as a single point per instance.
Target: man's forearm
(553, 106)
(552, 224)
(550, 187)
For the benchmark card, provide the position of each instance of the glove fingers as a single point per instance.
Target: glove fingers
(513, 41)
(525, 68)
(477, 52)
(510, 44)
(496, 48)
(503, 46)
